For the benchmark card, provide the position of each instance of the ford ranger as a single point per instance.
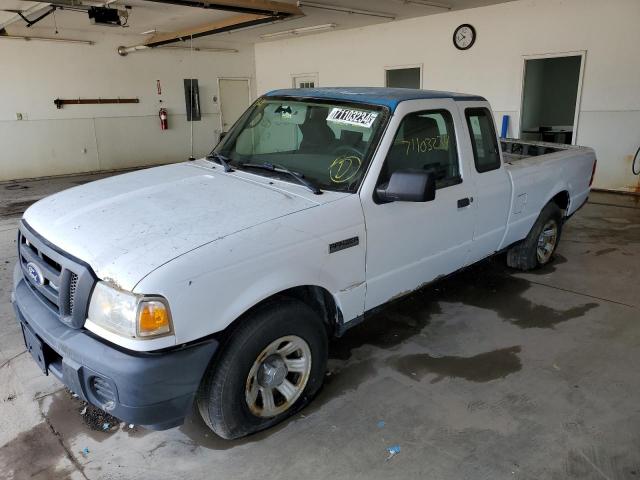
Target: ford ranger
(220, 281)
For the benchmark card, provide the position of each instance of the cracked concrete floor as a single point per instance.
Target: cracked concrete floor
(490, 374)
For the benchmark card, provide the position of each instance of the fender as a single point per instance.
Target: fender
(210, 287)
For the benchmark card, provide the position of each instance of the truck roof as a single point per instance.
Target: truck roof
(389, 97)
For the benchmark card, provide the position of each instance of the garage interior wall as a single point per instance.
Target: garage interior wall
(609, 118)
(84, 138)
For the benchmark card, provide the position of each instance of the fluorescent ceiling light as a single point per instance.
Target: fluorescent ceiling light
(298, 31)
(427, 3)
(153, 30)
(337, 8)
(124, 51)
(199, 49)
(46, 39)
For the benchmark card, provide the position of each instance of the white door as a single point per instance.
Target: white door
(235, 98)
(412, 243)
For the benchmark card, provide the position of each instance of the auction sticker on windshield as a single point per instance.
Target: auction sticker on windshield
(348, 116)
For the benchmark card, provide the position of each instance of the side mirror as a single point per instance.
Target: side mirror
(222, 135)
(408, 186)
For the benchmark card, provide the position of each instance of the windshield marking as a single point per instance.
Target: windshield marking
(344, 168)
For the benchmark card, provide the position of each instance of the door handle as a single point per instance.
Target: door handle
(465, 202)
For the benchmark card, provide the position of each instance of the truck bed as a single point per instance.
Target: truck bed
(538, 171)
(514, 149)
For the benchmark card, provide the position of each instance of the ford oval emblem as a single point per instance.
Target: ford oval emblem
(35, 272)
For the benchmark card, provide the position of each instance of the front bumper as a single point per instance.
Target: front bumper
(151, 389)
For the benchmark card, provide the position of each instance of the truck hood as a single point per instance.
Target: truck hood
(126, 226)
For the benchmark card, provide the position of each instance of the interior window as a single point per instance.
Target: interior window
(483, 139)
(425, 141)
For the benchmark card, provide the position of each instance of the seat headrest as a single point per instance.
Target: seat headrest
(350, 137)
(315, 130)
(416, 126)
(317, 114)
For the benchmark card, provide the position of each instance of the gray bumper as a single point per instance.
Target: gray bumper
(155, 390)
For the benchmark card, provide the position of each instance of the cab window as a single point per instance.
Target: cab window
(483, 139)
(425, 141)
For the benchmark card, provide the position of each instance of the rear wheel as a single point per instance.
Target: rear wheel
(270, 368)
(538, 247)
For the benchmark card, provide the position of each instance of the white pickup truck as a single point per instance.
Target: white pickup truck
(222, 280)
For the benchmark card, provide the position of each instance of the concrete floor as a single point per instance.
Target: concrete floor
(488, 375)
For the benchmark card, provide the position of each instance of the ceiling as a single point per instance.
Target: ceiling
(145, 16)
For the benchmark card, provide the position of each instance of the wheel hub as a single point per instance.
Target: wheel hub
(278, 376)
(547, 241)
(272, 372)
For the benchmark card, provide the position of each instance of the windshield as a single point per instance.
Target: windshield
(328, 143)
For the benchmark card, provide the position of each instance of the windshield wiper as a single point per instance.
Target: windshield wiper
(274, 167)
(222, 160)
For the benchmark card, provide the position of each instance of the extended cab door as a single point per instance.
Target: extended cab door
(412, 243)
(492, 183)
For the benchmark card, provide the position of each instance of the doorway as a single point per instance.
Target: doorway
(403, 77)
(551, 97)
(235, 97)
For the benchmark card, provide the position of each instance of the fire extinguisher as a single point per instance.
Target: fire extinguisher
(163, 119)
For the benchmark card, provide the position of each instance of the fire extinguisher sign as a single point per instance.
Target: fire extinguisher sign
(159, 87)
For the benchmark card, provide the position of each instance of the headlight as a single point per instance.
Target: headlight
(128, 314)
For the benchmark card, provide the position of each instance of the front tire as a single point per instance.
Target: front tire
(537, 249)
(271, 366)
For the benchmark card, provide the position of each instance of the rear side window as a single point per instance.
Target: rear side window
(483, 139)
(425, 141)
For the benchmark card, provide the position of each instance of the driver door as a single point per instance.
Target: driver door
(413, 243)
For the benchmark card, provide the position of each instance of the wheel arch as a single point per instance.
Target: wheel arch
(318, 298)
(562, 199)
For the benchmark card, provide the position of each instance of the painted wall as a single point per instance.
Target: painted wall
(610, 103)
(83, 138)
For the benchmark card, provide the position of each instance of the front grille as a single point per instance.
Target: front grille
(43, 273)
(60, 281)
(73, 285)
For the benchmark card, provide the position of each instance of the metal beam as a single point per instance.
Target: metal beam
(220, 26)
(256, 7)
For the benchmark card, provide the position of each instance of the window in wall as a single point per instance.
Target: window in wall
(305, 81)
(404, 77)
(425, 141)
(483, 139)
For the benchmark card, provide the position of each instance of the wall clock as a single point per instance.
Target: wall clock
(464, 37)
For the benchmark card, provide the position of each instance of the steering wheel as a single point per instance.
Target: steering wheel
(348, 149)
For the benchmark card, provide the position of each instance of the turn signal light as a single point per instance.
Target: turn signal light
(153, 318)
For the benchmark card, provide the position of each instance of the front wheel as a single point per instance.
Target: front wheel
(538, 248)
(270, 367)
